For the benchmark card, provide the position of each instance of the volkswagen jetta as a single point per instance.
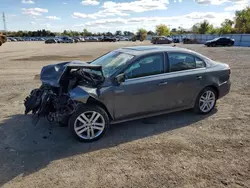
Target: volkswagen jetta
(127, 84)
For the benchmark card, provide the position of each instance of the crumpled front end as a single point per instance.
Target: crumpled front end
(45, 102)
(62, 90)
(51, 74)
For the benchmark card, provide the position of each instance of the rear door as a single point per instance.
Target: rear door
(184, 80)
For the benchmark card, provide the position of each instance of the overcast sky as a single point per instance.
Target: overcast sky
(102, 16)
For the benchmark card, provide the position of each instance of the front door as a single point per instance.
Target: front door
(142, 91)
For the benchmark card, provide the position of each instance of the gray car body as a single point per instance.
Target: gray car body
(157, 94)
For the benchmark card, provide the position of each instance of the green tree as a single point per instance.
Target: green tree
(242, 21)
(128, 33)
(195, 28)
(181, 30)
(109, 34)
(214, 30)
(174, 30)
(162, 30)
(125, 33)
(227, 27)
(204, 27)
(151, 33)
(142, 33)
(19, 33)
(86, 32)
(118, 33)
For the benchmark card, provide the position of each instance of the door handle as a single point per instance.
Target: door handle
(198, 77)
(163, 83)
(119, 91)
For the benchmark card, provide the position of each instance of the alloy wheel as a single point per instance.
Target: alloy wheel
(207, 101)
(89, 125)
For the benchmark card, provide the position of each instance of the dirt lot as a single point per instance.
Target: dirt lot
(175, 150)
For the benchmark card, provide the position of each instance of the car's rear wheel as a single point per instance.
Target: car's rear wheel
(206, 101)
(89, 123)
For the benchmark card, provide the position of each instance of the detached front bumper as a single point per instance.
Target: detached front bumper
(224, 88)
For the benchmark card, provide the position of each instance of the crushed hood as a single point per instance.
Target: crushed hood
(51, 74)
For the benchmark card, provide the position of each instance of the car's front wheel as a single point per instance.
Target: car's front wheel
(206, 101)
(89, 123)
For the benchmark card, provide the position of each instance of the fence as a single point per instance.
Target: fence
(239, 39)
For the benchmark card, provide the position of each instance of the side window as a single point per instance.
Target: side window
(150, 65)
(182, 61)
(223, 40)
(199, 63)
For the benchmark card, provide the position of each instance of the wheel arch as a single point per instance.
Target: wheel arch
(213, 87)
(216, 89)
(93, 101)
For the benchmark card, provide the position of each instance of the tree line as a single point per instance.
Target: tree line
(47, 33)
(240, 24)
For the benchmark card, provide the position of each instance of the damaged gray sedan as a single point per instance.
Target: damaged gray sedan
(127, 84)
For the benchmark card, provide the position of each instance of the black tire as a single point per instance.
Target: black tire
(197, 108)
(83, 109)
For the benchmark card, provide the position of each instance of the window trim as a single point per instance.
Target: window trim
(144, 56)
(201, 60)
(191, 54)
(165, 73)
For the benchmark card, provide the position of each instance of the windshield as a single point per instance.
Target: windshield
(111, 61)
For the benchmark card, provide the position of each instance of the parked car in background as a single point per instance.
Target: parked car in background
(175, 40)
(58, 40)
(50, 41)
(81, 39)
(190, 41)
(127, 84)
(19, 39)
(67, 40)
(161, 40)
(108, 39)
(91, 39)
(124, 39)
(221, 41)
(76, 39)
(11, 39)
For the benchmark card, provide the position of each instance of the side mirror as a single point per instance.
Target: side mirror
(120, 78)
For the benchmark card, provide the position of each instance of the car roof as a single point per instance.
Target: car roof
(142, 50)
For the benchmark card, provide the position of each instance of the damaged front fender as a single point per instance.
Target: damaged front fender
(82, 94)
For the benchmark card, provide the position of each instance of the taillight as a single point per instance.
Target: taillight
(229, 71)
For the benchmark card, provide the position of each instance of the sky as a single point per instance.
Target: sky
(113, 15)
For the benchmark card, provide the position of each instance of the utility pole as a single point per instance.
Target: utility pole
(4, 22)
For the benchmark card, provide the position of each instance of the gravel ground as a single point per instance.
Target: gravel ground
(175, 150)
